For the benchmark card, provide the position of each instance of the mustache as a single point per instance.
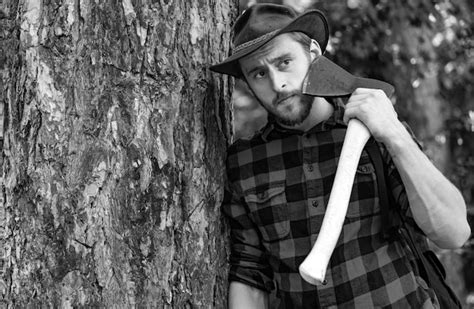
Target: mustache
(281, 96)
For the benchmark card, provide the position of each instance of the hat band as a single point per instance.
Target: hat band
(255, 41)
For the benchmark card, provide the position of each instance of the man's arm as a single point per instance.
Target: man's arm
(437, 205)
(242, 296)
(250, 275)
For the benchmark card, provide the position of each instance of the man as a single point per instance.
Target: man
(280, 180)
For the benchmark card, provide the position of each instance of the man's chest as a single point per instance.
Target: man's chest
(286, 183)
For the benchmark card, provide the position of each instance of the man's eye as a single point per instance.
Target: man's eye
(259, 74)
(285, 62)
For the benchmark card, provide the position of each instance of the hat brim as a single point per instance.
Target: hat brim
(312, 23)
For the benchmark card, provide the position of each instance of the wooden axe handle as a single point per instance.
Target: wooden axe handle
(313, 268)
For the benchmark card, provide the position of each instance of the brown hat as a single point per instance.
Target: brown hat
(261, 23)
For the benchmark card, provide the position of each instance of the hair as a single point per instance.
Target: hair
(301, 38)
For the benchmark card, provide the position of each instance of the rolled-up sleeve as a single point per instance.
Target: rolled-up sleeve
(248, 261)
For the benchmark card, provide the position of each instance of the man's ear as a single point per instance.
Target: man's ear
(314, 50)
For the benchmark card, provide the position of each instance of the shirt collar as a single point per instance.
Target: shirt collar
(273, 130)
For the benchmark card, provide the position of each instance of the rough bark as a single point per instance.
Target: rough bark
(114, 137)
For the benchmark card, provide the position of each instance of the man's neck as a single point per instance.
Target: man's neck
(321, 110)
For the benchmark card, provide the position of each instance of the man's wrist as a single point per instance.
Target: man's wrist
(399, 140)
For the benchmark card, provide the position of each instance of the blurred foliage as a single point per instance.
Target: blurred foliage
(425, 48)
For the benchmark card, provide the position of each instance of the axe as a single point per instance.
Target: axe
(326, 79)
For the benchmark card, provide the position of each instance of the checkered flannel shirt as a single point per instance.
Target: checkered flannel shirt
(278, 189)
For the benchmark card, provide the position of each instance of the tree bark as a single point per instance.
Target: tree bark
(114, 136)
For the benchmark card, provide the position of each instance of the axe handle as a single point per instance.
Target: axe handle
(313, 268)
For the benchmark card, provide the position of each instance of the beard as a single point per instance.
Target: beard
(293, 113)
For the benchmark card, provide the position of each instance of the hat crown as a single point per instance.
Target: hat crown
(261, 19)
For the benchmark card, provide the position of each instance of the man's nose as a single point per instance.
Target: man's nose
(278, 81)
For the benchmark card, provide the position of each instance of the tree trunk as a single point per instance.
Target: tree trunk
(114, 135)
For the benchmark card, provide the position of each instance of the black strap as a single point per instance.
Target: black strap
(375, 156)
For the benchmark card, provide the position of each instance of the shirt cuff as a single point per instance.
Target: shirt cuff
(251, 278)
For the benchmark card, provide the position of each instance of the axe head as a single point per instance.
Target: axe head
(327, 79)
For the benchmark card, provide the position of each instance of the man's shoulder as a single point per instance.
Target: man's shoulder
(243, 154)
(242, 145)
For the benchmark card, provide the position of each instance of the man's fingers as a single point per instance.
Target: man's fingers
(368, 94)
(350, 112)
(369, 90)
(356, 100)
(368, 104)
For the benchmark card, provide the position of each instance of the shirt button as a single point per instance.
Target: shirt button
(262, 195)
(315, 203)
(310, 168)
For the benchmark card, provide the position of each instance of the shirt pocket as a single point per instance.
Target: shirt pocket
(364, 191)
(268, 209)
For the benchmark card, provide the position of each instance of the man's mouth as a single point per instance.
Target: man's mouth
(284, 99)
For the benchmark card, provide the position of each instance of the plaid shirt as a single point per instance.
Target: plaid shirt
(279, 186)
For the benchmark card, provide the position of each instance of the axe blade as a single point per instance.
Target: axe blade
(327, 79)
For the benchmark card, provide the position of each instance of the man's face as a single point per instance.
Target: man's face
(275, 73)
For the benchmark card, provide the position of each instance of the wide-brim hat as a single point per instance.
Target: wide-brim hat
(262, 22)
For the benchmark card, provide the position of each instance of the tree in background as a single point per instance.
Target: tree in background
(425, 49)
(113, 138)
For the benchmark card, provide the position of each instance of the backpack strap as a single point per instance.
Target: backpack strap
(388, 225)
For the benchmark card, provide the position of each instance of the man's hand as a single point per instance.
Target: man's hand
(375, 110)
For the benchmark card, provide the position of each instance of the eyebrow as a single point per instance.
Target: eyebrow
(272, 61)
